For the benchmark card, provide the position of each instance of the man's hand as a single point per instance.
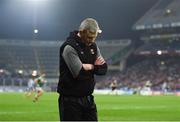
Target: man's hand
(99, 61)
(88, 66)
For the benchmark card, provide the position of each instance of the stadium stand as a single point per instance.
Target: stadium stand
(157, 70)
(131, 66)
(156, 58)
(164, 14)
(42, 56)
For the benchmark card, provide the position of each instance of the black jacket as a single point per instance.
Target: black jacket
(83, 84)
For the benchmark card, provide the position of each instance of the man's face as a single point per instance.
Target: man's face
(88, 37)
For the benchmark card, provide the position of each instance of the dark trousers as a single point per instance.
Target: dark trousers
(77, 108)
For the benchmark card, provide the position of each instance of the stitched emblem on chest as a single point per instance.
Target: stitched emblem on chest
(92, 51)
(82, 52)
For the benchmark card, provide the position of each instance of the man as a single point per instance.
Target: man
(40, 81)
(80, 59)
(146, 90)
(164, 87)
(114, 86)
(31, 87)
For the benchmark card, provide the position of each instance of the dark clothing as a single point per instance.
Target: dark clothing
(75, 91)
(77, 108)
(113, 88)
(83, 84)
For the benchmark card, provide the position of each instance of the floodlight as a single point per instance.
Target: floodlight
(1, 70)
(162, 62)
(159, 52)
(20, 71)
(36, 31)
(168, 11)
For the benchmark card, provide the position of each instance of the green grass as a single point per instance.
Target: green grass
(16, 107)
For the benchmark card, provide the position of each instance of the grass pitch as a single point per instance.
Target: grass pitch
(16, 107)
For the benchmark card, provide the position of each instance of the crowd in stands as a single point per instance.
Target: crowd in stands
(18, 80)
(157, 71)
(170, 45)
(8, 78)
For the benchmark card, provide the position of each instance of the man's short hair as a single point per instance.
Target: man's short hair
(90, 24)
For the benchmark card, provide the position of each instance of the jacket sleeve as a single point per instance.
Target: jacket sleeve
(72, 60)
(100, 69)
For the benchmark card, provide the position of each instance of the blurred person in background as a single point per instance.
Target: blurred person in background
(31, 87)
(39, 82)
(114, 86)
(80, 60)
(146, 90)
(165, 87)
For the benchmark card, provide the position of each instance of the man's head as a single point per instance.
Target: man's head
(89, 30)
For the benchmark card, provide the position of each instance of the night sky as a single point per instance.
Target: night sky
(55, 18)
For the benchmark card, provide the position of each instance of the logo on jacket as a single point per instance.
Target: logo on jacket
(82, 52)
(92, 51)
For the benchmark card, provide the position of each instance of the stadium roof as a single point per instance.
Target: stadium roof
(55, 18)
(164, 14)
